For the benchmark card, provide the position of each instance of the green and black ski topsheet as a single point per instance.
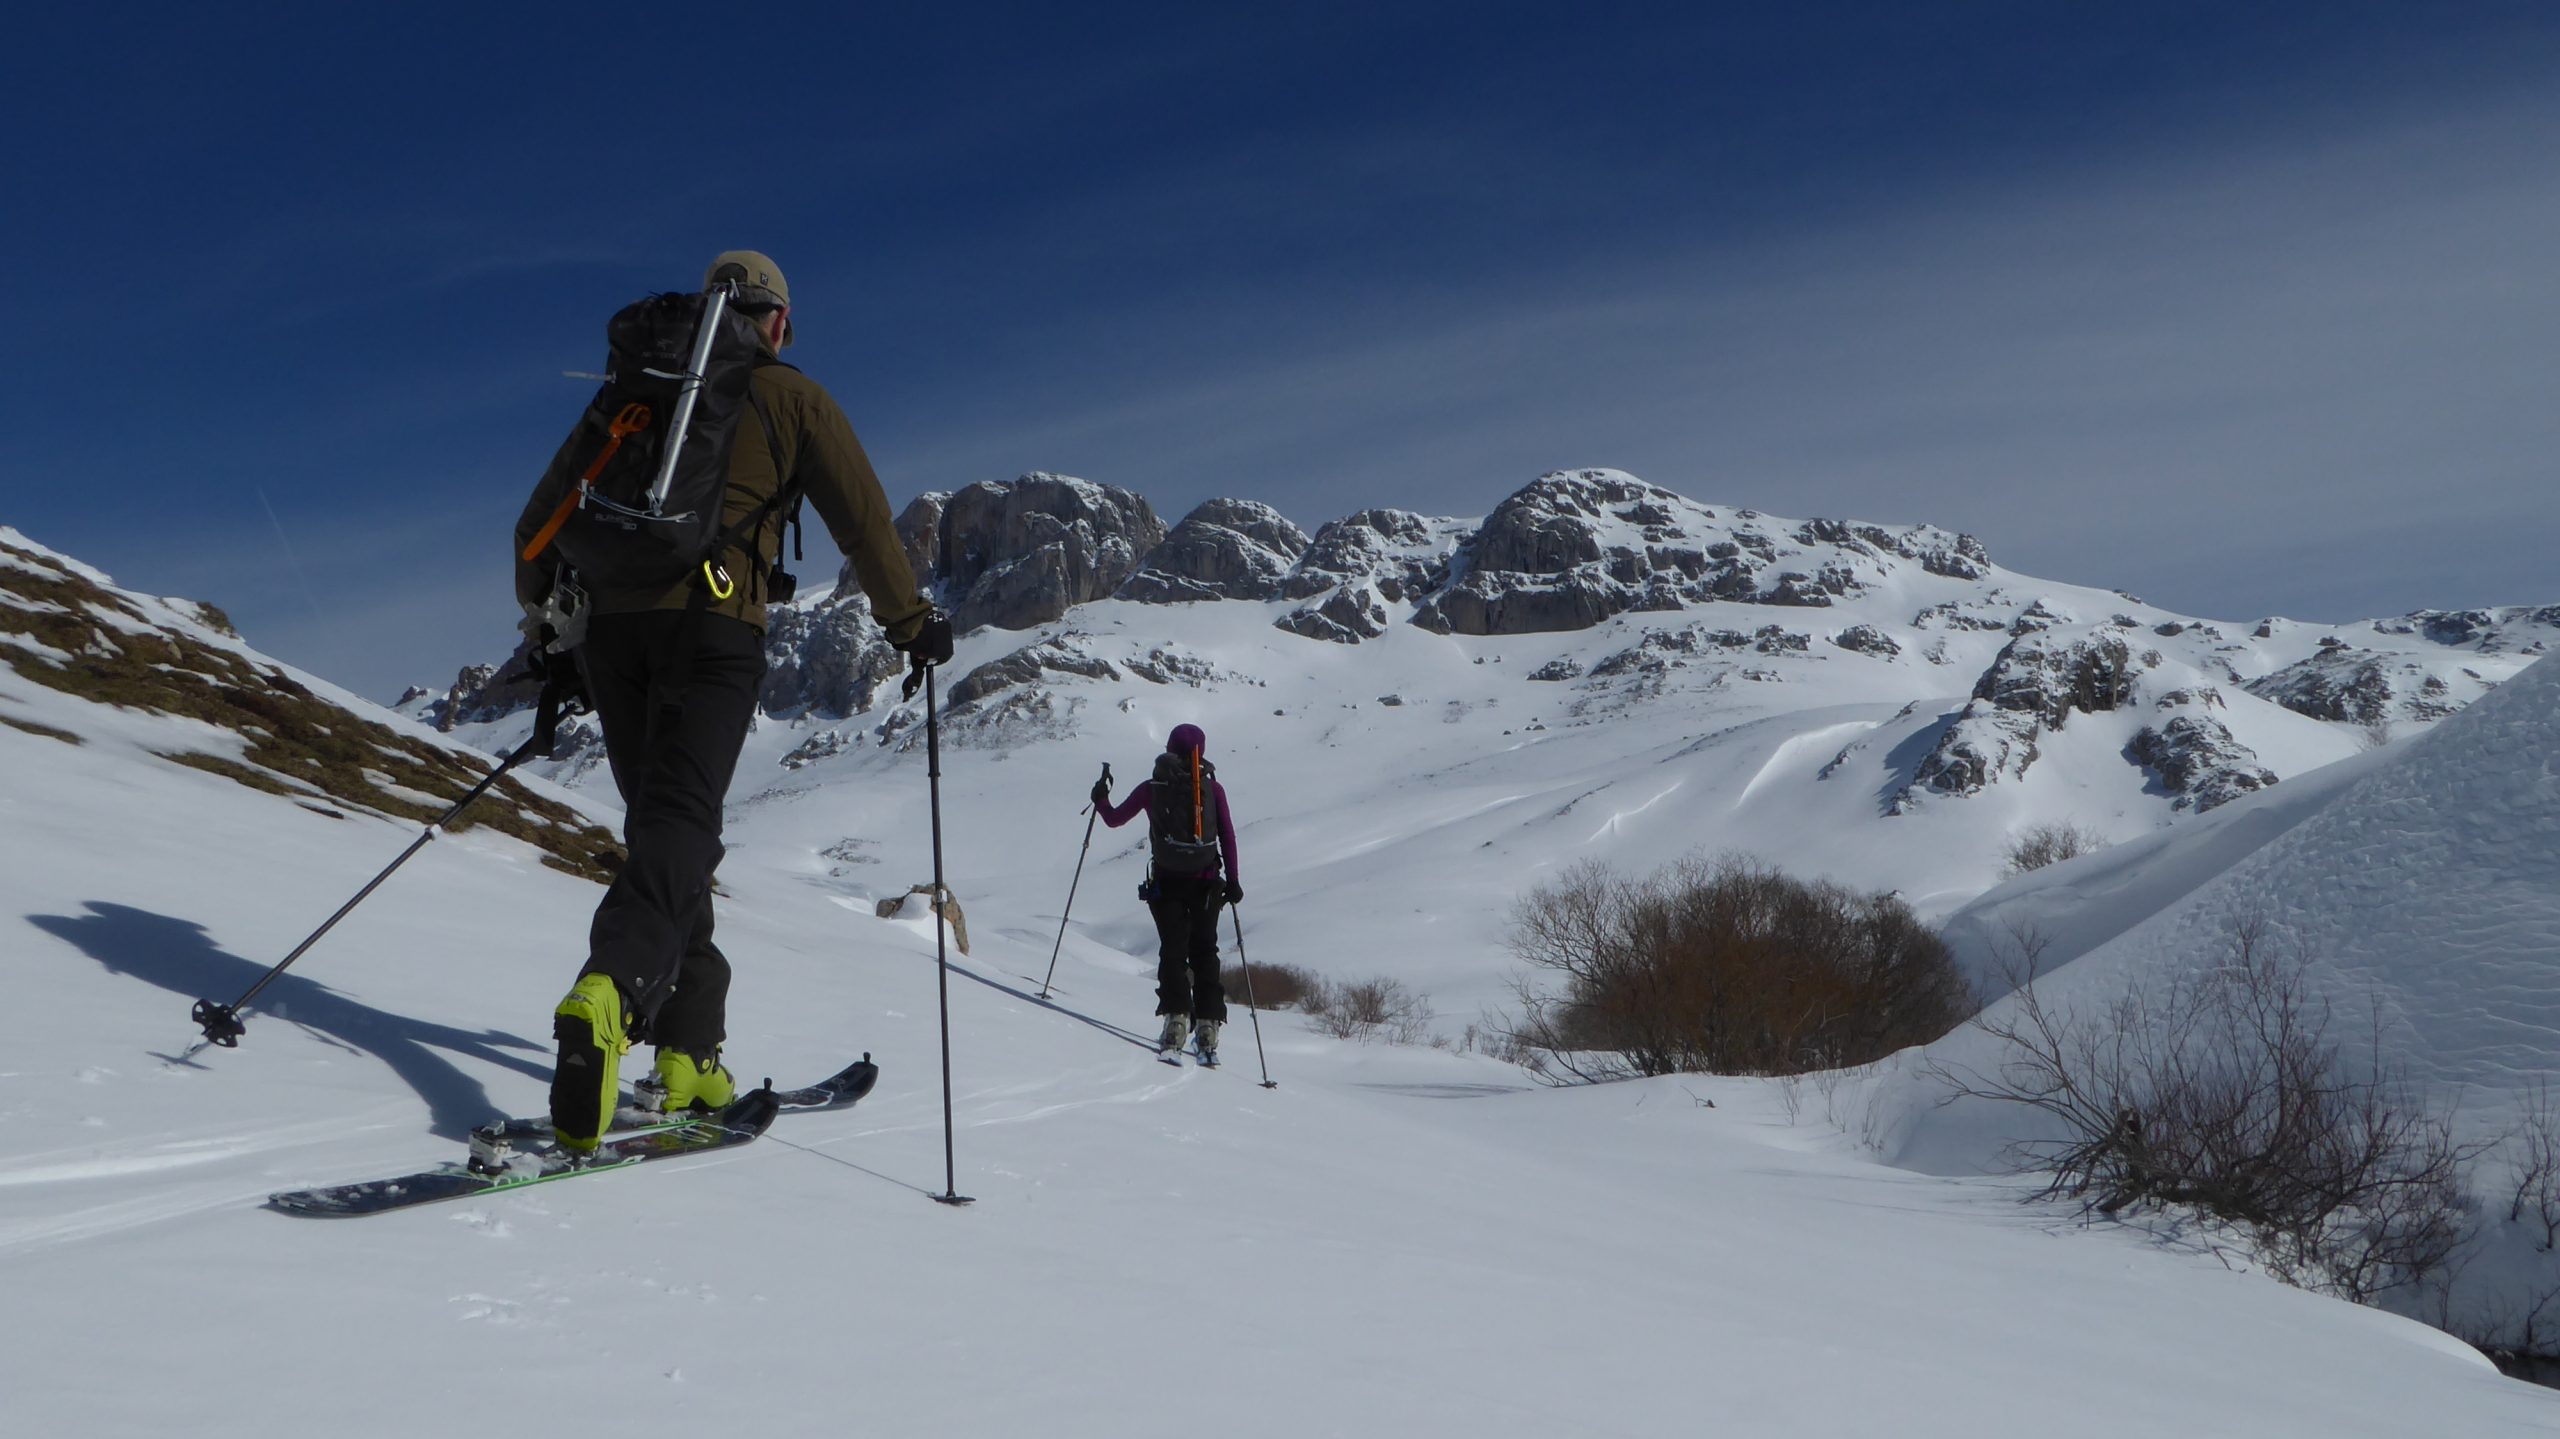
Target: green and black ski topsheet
(515, 1153)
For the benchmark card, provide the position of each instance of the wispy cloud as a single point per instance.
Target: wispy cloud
(2308, 334)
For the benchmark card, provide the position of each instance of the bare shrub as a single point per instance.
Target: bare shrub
(1372, 1008)
(1725, 966)
(2222, 1090)
(2536, 1143)
(1274, 986)
(2039, 845)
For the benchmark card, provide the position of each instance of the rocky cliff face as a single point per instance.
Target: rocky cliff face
(1358, 567)
(2037, 683)
(1022, 553)
(1224, 550)
(827, 659)
(2196, 759)
(1578, 547)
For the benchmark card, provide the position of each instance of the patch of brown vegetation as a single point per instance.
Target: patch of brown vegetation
(299, 744)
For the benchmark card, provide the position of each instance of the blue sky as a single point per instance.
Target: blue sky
(2247, 310)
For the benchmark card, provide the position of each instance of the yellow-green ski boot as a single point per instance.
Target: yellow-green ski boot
(588, 1080)
(691, 1079)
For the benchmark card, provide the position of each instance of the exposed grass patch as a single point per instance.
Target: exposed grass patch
(46, 730)
(294, 735)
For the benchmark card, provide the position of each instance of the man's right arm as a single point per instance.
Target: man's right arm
(845, 491)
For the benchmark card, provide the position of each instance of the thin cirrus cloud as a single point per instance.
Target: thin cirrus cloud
(2302, 367)
(2155, 373)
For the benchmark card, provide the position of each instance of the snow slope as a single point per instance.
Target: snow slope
(1394, 1240)
(2423, 881)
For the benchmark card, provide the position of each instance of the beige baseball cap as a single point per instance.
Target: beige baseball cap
(759, 280)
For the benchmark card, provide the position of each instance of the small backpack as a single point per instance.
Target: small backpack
(606, 528)
(1182, 815)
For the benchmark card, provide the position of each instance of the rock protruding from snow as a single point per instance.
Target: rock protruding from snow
(2348, 684)
(1021, 553)
(1026, 665)
(2197, 759)
(1347, 616)
(1867, 640)
(828, 658)
(478, 695)
(1400, 554)
(2508, 628)
(1578, 547)
(2034, 686)
(1224, 550)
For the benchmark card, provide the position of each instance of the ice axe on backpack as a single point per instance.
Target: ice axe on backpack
(1089, 816)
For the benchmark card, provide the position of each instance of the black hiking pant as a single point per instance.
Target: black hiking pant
(1187, 979)
(672, 730)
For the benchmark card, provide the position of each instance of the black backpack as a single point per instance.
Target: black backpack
(1182, 815)
(606, 530)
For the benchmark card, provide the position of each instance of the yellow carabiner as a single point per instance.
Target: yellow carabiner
(718, 578)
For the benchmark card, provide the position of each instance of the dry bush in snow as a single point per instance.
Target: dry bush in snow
(2039, 845)
(1723, 966)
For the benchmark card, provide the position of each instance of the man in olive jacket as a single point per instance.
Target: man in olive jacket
(674, 683)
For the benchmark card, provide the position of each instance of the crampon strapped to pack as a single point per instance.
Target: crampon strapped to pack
(1182, 815)
(654, 444)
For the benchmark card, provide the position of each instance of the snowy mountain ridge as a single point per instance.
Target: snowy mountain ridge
(1591, 596)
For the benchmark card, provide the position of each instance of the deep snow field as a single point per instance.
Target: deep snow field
(1394, 1240)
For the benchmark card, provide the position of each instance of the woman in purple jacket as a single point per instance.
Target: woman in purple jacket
(1189, 835)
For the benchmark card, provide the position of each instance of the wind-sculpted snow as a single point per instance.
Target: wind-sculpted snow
(2419, 884)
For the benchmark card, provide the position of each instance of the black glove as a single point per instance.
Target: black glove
(931, 644)
(1102, 794)
(1235, 892)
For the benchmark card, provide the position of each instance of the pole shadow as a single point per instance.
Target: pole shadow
(176, 955)
(1052, 1005)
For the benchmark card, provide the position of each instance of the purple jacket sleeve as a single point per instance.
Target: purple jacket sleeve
(1129, 808)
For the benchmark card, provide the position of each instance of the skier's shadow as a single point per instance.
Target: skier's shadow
(175, 955)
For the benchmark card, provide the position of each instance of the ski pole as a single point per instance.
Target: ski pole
(222, 1022)
(1089, 816)
(941, 952)
(1249, 1006)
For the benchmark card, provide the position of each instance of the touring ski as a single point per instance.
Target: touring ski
(514, 1153)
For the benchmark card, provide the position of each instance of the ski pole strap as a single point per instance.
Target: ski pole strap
(633, 419)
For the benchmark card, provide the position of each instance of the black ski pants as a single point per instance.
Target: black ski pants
(1187, 979)
(672, 731)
